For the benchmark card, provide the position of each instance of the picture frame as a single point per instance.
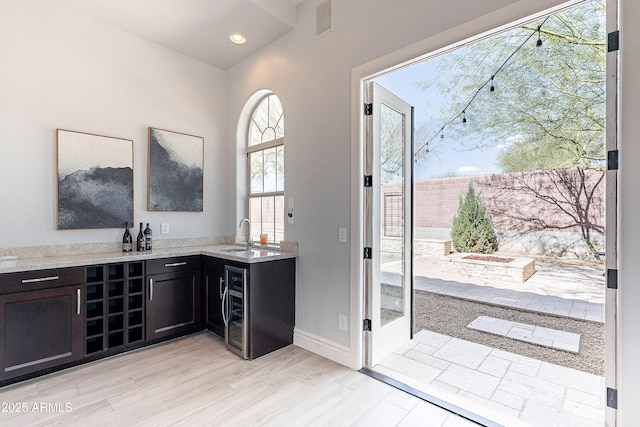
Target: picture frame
(94, 180)
(175, 173)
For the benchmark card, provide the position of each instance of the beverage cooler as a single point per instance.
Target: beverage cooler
(235, 310)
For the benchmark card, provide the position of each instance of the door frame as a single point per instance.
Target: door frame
(451, 39)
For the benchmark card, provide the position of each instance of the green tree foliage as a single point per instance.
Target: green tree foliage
(548, 107)
(472, 230)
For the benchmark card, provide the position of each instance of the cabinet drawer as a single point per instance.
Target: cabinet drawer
(168, 265)
(40, 279)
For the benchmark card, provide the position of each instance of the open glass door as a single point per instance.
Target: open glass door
(388, 223)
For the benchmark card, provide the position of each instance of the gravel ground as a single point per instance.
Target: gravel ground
(450, 316)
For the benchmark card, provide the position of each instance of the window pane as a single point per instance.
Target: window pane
(280, 168)
(270, 170)
(279, 219)
(280, 128)
(255, 216)
(268, 225)
(267, 121)
(275, 114)
(255, 134)
(257, 172)
(259, 122)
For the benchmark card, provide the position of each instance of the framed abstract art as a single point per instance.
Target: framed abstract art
(175, 171)
(95, 180)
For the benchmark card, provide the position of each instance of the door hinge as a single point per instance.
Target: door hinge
(366, 325)
(612, 278)
(612, 398)
(368, 109)
(367, 253)
(368, 180)
(612, 160)
(613, 41)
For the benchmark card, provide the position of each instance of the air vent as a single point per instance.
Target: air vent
(323, 18)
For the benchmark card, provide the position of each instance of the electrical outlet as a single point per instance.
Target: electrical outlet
(342, 235)
(164, 228)
(342, 322)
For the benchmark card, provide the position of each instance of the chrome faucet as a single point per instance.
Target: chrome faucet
(248, 231)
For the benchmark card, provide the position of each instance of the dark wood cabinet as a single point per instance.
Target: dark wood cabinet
(213, 277)
(173, 297)
(62, 317)
(272, 300)
(40, 330)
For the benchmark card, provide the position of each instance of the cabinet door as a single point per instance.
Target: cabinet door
(173, 304)
(213, 290)
(41, 329)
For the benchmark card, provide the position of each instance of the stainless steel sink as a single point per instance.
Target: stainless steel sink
(233, 250)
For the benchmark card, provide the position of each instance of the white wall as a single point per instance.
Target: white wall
(62, 70)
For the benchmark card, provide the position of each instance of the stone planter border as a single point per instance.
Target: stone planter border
(517, 270)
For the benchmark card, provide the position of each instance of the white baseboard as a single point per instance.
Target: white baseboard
(323, 347)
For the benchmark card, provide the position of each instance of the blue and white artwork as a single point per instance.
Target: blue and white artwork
(95, 181)
(175, 171)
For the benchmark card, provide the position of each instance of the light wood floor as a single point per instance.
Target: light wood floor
(195, 381)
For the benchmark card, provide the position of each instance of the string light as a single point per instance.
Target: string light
(491, 88)
(539, 42)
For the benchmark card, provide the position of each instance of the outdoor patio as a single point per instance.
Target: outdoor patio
(500, 385)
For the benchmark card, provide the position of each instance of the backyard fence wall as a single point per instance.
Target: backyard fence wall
(558, 212)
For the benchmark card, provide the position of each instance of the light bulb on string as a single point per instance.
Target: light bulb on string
(464, 117)
(539, 42)
(492, 88)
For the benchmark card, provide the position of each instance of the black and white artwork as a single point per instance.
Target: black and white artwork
(95, 181)
(175, 171)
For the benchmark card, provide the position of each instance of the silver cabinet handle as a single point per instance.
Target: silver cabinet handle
(79, 301)
(150, 289)
(206, 298)
(40, 279)
(220, 286)
(175, 264)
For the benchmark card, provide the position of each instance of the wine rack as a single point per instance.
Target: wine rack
(114, 306)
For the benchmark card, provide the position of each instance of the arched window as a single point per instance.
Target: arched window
(265, 154)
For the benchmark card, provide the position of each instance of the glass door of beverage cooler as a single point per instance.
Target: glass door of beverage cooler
(235, 311)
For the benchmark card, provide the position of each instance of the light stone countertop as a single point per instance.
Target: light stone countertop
(12, 264)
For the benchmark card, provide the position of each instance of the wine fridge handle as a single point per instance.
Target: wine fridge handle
(225, 317)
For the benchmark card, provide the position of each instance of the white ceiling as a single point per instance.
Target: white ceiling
(197, 28)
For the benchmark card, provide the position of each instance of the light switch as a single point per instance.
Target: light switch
(342, 235)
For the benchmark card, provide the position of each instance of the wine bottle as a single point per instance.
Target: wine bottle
(147, 237)
(140, 241)
(126, 239)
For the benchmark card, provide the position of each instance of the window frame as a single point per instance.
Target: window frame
(261, 147)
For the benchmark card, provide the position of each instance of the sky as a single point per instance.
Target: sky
(447, 160)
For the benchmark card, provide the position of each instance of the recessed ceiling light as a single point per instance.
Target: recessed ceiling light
(237, 38)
